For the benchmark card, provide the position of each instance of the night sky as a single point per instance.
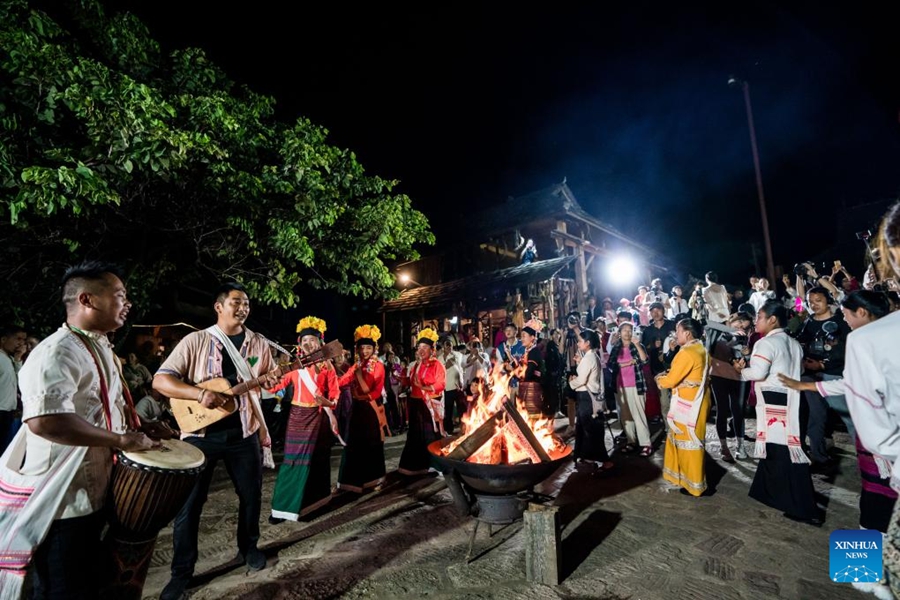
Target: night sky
(469, 105)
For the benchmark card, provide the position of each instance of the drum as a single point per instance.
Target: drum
(150, 487)
(532, 396)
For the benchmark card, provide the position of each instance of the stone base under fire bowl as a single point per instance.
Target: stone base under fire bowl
(497, 479)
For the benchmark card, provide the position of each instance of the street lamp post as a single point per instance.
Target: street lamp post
(770, 263)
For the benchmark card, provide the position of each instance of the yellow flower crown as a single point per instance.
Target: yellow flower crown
(311, 323)
(429, 334)
(367, 332)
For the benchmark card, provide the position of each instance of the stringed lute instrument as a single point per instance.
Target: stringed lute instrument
(193, 416)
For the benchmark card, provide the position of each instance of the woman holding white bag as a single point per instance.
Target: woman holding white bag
(590, 443)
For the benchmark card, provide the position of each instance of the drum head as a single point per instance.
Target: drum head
(173, 455)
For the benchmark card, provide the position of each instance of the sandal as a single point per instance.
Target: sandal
(647, 451)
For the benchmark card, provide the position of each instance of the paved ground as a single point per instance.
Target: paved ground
(626, 534)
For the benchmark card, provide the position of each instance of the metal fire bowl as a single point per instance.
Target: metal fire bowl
(497, 479)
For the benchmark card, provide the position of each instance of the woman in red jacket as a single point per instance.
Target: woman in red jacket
(426, 381)
(304, 478)
(362, 464)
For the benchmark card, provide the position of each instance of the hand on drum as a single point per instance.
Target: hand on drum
(158, 430)
(134, 441)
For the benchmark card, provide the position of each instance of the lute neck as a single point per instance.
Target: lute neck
(302, 362)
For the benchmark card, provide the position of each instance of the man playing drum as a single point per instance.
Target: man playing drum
(226, 350)
(72, 396)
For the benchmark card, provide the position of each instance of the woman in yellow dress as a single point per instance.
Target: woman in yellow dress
(689, 382)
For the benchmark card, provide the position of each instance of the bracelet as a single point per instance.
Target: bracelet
(200, 397)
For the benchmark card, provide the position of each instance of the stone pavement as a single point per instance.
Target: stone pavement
(626, 534)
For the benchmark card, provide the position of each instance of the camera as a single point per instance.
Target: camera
(826, 339)
(802, 269)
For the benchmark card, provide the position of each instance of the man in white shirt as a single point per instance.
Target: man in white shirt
(761, 294)
(677, 304)
(454, 395)
(655, 294)
(12, 339)
(71, 428)
(716, 299)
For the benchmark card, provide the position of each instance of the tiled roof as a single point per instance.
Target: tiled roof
(484, 289)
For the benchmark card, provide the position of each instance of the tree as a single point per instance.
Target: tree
(109, 149)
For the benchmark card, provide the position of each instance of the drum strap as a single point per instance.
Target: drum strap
(104, 389)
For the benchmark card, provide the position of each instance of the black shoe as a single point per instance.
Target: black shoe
(814, 521)
(175, 589)
(255, 560)
(275, 520)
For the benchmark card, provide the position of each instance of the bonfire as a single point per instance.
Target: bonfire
(511, 436)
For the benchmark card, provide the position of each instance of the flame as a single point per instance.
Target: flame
(507, 445)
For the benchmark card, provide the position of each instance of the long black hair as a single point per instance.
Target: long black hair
(875, 303)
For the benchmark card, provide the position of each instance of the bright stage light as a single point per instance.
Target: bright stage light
(622, 270)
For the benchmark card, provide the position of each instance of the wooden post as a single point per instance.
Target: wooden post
(552, 305)
(580, 279)
(543, 550)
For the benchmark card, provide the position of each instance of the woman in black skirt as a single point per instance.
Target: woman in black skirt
(590, 444)
(426, 381)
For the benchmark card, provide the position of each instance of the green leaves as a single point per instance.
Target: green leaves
(109, 149)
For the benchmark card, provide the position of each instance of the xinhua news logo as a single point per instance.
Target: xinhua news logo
(855, 556)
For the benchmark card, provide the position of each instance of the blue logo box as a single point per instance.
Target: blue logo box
(855, 556)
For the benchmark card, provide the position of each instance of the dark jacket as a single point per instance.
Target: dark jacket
(639, 381)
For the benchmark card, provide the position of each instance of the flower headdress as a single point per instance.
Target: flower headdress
(367, 335)
(427, 336)
(311, 326)
(534, 326)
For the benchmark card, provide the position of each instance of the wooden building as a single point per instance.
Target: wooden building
(480, 281)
